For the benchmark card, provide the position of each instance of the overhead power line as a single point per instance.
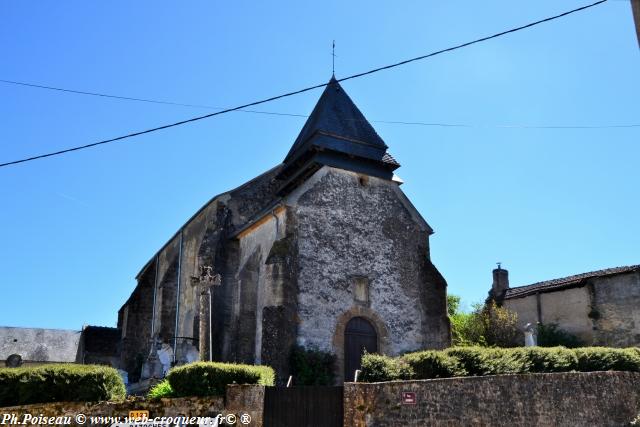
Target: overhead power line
(296, 92)
(151, 101)
(275, 113)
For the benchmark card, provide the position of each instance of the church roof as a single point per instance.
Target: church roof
(336, 114)
(336, 134)
(566, 282)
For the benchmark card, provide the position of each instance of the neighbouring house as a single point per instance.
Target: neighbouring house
(37, 346)
(323, 251)
(600, 307)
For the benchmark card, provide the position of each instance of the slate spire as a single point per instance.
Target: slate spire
(337, 134)
(336, 114)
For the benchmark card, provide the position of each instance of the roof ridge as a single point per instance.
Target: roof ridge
(568, 280)
(601, 272)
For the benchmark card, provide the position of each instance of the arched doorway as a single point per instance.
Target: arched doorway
(359, 336)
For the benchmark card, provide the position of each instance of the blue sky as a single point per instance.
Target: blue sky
(545, 202)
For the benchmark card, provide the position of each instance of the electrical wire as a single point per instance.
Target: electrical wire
(296, 92)
(275, 113)
(151, 101)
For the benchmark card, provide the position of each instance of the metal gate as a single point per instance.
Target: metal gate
(303, 406)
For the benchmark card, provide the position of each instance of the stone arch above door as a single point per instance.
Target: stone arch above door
(338, 337)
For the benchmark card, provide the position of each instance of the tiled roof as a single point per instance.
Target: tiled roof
(566, 282)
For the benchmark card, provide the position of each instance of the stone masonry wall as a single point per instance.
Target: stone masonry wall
(239, 400)
(616, 310)
(559, 399)
(350, 227)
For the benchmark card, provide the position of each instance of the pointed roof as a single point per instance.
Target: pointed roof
(336, 134)
(336, 115)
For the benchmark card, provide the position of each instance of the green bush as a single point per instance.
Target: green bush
(433, 364)
(160, 390)
(551, 335)
(59, 383)
(479, 361)
(211, 378)
(541, 359)
(310, 366)
(378, 368)
(607, 359)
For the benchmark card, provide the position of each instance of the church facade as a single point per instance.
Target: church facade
(323, 251)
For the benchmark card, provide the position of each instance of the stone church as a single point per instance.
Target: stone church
(323, 251)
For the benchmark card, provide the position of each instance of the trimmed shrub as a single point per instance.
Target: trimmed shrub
(161, 390)
(478, 361)
(551, 335)
(607, 359)
(310, 366)
(433, 364)
(378, 368)
(59, 383)
(211, 378)
(550, 359)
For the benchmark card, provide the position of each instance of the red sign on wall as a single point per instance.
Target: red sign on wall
(409, 398)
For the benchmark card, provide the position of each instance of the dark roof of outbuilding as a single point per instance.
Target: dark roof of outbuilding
(335, 113)
(101, 339)
(566, 282)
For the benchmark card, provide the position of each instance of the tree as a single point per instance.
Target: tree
(486, 325)
(453, 304)
(501, 326)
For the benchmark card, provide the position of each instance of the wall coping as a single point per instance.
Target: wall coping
(488, 377)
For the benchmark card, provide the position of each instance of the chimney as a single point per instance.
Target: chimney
(500, 282)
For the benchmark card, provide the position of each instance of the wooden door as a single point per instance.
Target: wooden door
(359, 336)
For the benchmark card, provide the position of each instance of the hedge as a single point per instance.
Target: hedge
(433, 364)
(59, 383)
(211, 378)
(311, 366)
(479, 361)
(608, 359)
(378, 368)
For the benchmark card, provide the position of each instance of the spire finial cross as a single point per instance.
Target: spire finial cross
(333, 59)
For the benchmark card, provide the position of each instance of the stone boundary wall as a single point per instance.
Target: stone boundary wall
(558, 399)
(239, 399)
